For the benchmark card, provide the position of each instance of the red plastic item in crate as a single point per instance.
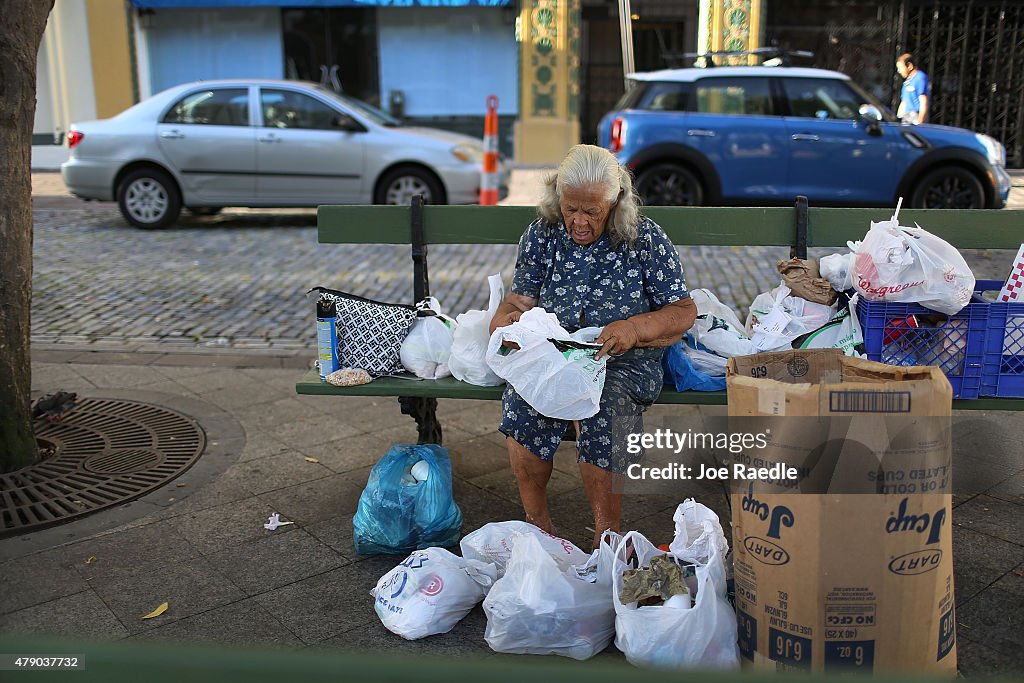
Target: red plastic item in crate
(895, 329)
(981, 348)
(909, 334)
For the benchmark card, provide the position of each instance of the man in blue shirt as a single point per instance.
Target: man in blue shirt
(915, 93)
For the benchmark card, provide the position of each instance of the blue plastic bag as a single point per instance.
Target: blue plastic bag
(397, 513)
(681, 373)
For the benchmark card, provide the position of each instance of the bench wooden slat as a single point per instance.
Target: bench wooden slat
(449, 387)
(963, 228)
(441, 224)
(686, 226)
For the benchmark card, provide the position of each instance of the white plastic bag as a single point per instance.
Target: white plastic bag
(493, 543)
(539, 607)
(710, 364)
(843, 331)
(469, 344)
(698, 533)
(703, 636)
(559, 382)
(895, 263)
(718, 328)
(776, 319)
(430, 591)
(836, 268)
(428, 346)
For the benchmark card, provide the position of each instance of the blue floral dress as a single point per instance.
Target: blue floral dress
(592, 286)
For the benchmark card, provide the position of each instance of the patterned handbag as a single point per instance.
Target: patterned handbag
(370, 333)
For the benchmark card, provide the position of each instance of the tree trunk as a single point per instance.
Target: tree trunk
(20, 33)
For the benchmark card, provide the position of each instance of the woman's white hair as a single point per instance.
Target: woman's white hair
(590, 165)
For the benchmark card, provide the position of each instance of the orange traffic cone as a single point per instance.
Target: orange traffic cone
(489, 178)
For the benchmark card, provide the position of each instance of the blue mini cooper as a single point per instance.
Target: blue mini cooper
(760, 135)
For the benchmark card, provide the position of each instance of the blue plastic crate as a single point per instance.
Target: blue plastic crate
(1003, 363)
(955, 343)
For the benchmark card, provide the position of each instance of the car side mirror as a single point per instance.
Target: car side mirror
(347, 124)
(870, 112)
(872, 118)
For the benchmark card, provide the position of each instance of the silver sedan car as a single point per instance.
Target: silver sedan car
(263, 143)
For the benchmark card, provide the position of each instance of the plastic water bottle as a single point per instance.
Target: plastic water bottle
(327, 337)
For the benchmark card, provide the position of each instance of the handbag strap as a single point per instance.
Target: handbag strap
(328, 293)
(427, 307)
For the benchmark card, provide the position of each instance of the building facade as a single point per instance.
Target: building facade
(556, 66)
(429, 62)
(84, 71)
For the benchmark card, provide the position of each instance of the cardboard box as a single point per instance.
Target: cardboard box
(862, 581)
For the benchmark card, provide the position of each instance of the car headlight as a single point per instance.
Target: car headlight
(994, 149)
(468, 153)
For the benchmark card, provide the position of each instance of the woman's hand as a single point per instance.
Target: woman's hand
(663, 327)
(508, 319)
(504, 321)
(617, 338)
(510, 310)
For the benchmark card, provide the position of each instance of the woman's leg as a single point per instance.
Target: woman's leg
(532, 475)
(605, 502)
(532, 468)
(601, 440)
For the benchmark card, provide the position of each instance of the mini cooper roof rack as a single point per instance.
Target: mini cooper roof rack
(774, 56)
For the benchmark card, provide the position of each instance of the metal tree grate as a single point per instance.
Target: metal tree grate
(106, 452)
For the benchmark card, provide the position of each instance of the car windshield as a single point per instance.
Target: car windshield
(376, 115)
(871, 99)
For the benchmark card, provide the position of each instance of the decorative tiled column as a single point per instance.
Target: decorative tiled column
(732, 25)
(549, 85)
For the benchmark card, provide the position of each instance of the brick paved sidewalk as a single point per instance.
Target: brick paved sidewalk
(202, 548)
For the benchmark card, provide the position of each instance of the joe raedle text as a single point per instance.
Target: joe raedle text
(693, 442)
(737, 472)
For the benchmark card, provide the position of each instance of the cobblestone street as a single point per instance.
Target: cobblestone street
(238, 280)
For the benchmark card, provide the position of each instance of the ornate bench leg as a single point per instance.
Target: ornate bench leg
(424, 411)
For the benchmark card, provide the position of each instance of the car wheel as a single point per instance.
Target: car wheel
(949, 187)
(148, 198)
(669, 185)
(399, 185)
(204, 210)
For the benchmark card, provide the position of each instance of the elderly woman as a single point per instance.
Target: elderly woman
(592, 259)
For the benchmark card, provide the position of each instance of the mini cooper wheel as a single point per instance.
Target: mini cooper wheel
(948, 187)
(669, 185)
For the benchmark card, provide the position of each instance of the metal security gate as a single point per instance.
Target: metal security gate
(856, 38)
(659, 26)
(973, 52)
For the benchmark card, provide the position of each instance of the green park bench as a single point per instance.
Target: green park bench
(799, 228)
